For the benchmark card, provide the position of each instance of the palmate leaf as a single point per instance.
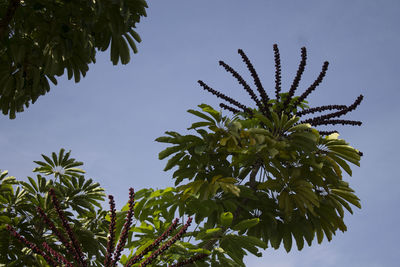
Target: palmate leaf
(339, 151)
(61, 165)
(246, 224)
(235, 246)
(201, 115)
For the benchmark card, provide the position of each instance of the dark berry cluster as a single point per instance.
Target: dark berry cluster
(155, 244)
(297, 78)
(60, 237)
(243, 83)
(111, 232)
(76, 249)
(32, 246)
(327, 119)
(316, 122)
(224, 97)
(314, 85)
(168, 244)
(336, 114)
(126, 227)
(231, 109)
(320, 109)
(57, 255)
(327, 132)
(257, 82)
(54, 258)
(287, 104)
(278, 81)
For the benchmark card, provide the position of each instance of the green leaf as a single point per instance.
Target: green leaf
(168, 151)
(246, 224)
(201, 115)
(209, 233)
(342, 163)
(347, 156)
(287, 239)
(347, 196)
(299, 127)
(173, 161)
(265, 120)
(200, 124)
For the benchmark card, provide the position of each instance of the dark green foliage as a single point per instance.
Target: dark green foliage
(253, 181)
(259, 179)
(67, 238)
(79, 199)
(61, 223)
(43, 39)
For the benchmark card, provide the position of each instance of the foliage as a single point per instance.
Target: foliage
(79, 199)
(247, 180)
(43, 39)
(114, 249)
(262, 177)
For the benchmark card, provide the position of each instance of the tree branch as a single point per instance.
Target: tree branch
(5, 21)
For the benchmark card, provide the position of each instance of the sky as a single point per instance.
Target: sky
(110, 119)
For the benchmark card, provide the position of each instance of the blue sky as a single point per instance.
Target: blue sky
(110, 119)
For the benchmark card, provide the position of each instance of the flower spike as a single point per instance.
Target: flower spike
(257, 82)
(278, 82)
(224, 97)
(286, 104)
(243, 83)
(111, 233)
(75, 245)
(314, 85)
(126, 227)
(296, 80)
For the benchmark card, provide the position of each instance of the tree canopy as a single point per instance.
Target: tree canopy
(40, 40)
(262, 177)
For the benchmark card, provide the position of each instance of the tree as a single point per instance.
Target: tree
(59, 221)
(114, 250)
(262, 177)
(78, 197)
(42, 39)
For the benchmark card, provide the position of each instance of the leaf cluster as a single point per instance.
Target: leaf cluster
(270, 180)
(80, 200)
(44, 39)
